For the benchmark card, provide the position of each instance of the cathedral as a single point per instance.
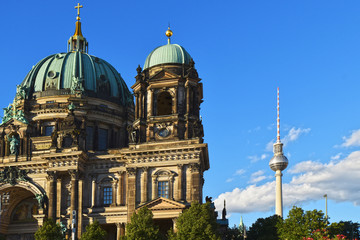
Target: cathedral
(76, 145)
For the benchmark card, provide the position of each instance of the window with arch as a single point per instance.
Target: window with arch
(106, 191)
(164, 104)
(163, 180)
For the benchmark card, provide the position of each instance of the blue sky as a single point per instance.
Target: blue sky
(243, 51)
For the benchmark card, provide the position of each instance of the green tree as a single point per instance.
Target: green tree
(264, 229)
(94, 232)
(142, 226)
(300, 224)
(49, 231)
(196, 223)
(231, 234)
(350, 229)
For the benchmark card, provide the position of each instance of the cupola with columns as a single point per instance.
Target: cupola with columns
(168, 94)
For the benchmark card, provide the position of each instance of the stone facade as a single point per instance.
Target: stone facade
(65, 151)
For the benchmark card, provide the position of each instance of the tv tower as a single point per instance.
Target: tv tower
(278, 163)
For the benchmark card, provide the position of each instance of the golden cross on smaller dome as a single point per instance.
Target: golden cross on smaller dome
(78, 11)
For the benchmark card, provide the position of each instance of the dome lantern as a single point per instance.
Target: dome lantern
(77, 42)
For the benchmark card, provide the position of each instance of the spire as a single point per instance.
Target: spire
(278, 117)
(224, 211)
(169, 33)
(77, 42)
(278, 146)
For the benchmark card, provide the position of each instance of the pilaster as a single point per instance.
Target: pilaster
(131, 192)
(51, 178)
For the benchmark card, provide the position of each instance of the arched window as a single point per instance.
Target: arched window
(164, 104)
(163, 181)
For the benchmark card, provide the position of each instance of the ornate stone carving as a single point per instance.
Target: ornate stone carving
(12, 175)
(131, 172)
(133, 134)
(74, 174)
(195, 168)
(51, 175)
(20, 92)
(11, 112)
(41, 200)
(77, 85)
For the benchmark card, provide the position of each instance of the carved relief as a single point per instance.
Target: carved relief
(13, 175)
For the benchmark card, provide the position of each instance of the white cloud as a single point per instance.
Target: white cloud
(336, 157)
(229, 179)
(340, 181)
(257, 177)
(239, 172)
(258, 173)
(253, 158)
(256, 158)
(307, 166)
(353, 140)
(293, 134)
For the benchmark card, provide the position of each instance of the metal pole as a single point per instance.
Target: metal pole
(326, 207)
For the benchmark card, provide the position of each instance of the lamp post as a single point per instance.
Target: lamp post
(326, 207)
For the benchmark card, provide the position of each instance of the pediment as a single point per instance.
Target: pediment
(163, 204)
(164, 74)
(11, 122)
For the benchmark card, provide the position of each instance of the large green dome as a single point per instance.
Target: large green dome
(169, 53)
(61, 74)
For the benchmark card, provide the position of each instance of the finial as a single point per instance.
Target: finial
(278, 116)
(169, 33)
(78, 11)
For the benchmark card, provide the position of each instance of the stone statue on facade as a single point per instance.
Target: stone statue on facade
(40, 199)
(20, 116)
(14, 145)
(20, 92)
(77, 85)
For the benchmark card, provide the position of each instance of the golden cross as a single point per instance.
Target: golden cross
(78, 8)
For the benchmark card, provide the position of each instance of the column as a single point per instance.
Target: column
(154, 189)
(74, 193)
(118, 227)
(171, 188)
(178, 196)
(131, 192)
(141, 109)
(80, 201)
(58, 198)
(93, 190)
(188, 184)
(150, 102)
(120, 188)
(174, 224)
(114, 185)
(120, 230)
(196, 184)
(51, 193)
(175, 100)
(144, 187)
(136, 105)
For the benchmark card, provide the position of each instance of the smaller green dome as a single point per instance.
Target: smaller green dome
(169, 53)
